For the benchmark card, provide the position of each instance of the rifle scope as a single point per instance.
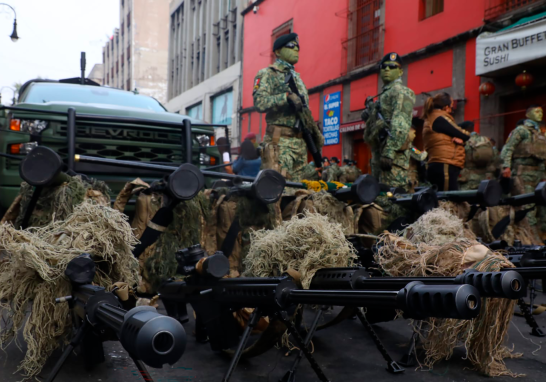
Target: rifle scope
(194, 260)
(145, 334)
(508, 284)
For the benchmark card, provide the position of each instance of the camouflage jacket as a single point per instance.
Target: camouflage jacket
(522, 139)
(397, 103)
(333, 172)
(270, 92)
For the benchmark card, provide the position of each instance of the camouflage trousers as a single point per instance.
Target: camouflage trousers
(398, 176)
(526, 178)
(470, 179)
(284, 152)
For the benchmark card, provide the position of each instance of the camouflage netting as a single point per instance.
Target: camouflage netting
(158, 262)
(32, 268)
(485, 220)
(438, 245)
(57, 201)
(305, 244)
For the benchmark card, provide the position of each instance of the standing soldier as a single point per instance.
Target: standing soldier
(523, 155)
(479, 159)
(388, 122)
(333, 173)
(284, 148)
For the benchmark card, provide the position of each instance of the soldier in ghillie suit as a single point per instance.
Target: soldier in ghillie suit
(479, 159)
(388, 122)
(284, 148)
(524, 154)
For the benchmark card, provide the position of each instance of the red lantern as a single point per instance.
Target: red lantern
(524, 79)
(487, 88)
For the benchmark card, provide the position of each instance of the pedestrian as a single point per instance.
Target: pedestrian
(284, 149)
(249, 162)
(388, 123)
(223, 148)
(444, 142)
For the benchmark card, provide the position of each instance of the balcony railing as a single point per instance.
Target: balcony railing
(496, 8)
(362, 50)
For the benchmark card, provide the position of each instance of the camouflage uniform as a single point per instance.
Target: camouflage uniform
(524, 153)
(396, 106)
(284, 149)
(416, 158)
(333, 173)
(479, 162)
(309, 172)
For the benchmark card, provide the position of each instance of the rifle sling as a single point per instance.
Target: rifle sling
(501, 226)
(231, 237)
(31, 206)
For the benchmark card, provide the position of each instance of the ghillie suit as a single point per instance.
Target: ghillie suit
(32, 268)
(58, 202)
(437, 245)
(158, 261)
(483, 224)
(231, 221)
(320, 202)
(376, 217)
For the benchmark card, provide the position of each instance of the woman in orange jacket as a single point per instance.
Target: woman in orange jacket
(444, 142)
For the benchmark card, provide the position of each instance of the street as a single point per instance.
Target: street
(345, 352)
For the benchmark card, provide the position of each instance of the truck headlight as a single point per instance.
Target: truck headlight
(204, 159)
(31, 126)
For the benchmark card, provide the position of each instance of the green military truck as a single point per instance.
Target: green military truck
(110, 123)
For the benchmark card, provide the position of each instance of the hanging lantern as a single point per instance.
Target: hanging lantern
(524, 79)
(487, 88)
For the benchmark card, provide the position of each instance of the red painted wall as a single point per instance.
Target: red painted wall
(314, 105)
(320, 34)
(362, 88)
(431, 73)
(471, 86)
(405, 33)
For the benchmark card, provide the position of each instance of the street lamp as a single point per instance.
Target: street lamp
(13, 36)
(12, 89)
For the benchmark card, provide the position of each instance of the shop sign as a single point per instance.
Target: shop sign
(501, 50)
(352, 126)
(331, 118)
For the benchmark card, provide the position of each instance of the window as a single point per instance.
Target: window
(195, 111)
(285, 28)
(222, 108)
(122, 59)
(122, 28)
(429, 8)
(128, 84)
(128, 53)
(128, 19)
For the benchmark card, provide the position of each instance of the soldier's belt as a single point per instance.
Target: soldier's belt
(284, 131)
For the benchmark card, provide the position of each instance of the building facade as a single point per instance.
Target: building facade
(343, 41)
(136, 55)
(205, 50)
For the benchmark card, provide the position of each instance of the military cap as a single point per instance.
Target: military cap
(324, 159)
(283, 40)
(334, 159)
(346, 161)
(392, 57)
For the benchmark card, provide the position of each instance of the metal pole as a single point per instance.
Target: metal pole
(187, 139)
(82, 67)
(71, 137)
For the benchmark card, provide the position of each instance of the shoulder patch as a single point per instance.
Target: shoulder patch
(257, 84)
(416, 151)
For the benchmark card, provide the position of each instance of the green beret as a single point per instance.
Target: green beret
(283, 40)
(392, 57)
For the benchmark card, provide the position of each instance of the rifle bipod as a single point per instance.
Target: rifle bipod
(392, 366)
(282, 316)
(410, 357)
(81, 333)
(290, 375)
(528, 315)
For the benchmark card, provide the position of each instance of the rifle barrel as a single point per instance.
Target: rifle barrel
(529, 273)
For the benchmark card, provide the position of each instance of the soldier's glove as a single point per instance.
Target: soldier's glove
(294, 101)
(365, 115)
(506, 173)
(385, 164)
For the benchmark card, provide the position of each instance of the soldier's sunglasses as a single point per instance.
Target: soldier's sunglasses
(292, 45)
(390, 66)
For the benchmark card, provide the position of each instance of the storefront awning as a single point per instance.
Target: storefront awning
(510, 47)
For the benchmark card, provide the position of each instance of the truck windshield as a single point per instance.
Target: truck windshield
(43, 93)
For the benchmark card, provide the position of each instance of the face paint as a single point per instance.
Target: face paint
(535, 114)
(387, 74)
(290, 55)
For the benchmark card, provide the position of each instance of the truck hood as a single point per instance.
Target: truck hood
(111, 110)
